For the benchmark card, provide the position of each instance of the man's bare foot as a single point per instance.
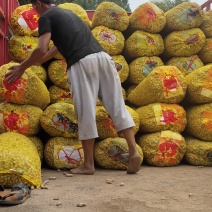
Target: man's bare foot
(134, 164)
(83, 170)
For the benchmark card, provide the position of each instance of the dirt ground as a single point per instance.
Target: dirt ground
(182, 188)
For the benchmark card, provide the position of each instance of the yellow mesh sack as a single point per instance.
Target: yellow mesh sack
(199, 89)
(159, 117)
(39, 145)
(121, 67)
(105, 125)
(165, 148)
(28, 89)
(198, 152)
(130, 89)
(4, 67)
(205, 53)
(184, 43)
(186, 64)
(57, 74)
(62, 153)
(110, 39)
(113, 153)
(37, 69)
(59, 119)
(21, 47)
(40, 72)
(58, 94)
(110, 15)
(148, 17)
(206, 25)
(24, 20)
(78, 10)
(199, 119)
(23, 119)
(141, 67)
(186, 15)
(142, 43)
(20, 161)
(165, 84)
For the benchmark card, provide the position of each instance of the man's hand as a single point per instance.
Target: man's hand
(14, 73)
(34, 58)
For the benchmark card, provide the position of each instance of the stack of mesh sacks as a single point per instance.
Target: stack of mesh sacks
(59, 119)
(161, 49)
(189, 29)
(22, 105)
(155, 90)
(199, 95)
(108, 23)
(26, 108)
(155, 54)
(62, 149)
(198, 106)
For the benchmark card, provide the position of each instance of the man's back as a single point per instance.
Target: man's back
(70, 34)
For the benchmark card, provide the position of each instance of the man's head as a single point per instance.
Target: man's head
(41, 6)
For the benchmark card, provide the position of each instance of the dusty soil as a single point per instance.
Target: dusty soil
(180, 188)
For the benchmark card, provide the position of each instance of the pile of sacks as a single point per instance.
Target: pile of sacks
(164, 61)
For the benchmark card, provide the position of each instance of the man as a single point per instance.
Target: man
(91, 73)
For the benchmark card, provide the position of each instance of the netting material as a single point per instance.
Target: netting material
(63, 153)
(198, 152)
(113, 153)
(165, 84)
(199, 119)
(24, 20)
(159, 117)
(165, 148)
(28, 89)
(19, 154)
(148, 17)
(110, 15)
(184, 16)
(199, 89)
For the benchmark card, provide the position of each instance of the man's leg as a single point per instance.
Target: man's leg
(134, 156)
(112, 99)
(88, 166)
(83, 76)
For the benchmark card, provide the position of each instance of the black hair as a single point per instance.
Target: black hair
(44, 1)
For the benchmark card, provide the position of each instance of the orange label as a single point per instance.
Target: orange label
(17, 122)
(169, 114)
(207, 120)
(207, 86)
(168, 148)
(146, 14)
(171, 83)
(108, 124)
(14, 91)
(31, 18)
(64, 95)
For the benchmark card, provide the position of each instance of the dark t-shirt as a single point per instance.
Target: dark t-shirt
(72, 37)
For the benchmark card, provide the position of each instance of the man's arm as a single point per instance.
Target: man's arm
(38, 53)
(49, 55)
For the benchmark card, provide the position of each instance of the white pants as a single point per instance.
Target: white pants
(95, 76)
